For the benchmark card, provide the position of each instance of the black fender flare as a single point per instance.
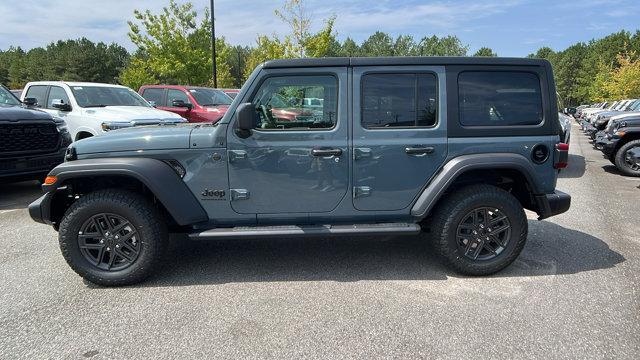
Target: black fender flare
(459, 165)
(158, 176)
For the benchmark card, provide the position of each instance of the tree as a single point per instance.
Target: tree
(485, 51)
(176, 48)
(349, 48)
(267, 48)
(404, 46)
(378, 44)
(445, 46)
(320, 44)
(294, 13)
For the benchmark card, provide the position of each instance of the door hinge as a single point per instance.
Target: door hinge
(361, 191)
(240, 194)
(237, 155)
(361, 153)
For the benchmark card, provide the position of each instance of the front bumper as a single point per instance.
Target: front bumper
(552, 204)
(608, 146)
(30, 165)
(40, 210)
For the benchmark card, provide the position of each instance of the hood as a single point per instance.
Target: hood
(18, 112)
(627, 115)
(162, 137)
(130, 113)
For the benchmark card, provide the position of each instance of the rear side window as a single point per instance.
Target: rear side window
(499, 98)
(399, 100)
(154, 95)
(39, 92)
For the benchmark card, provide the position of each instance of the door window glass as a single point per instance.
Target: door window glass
(282, 103)
(57, 93)
(39, 92)
(173, 95)
(155, 95)
(399, 100)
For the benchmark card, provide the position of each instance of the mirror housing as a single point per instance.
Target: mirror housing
(30, 101)
(181, 104)
(152, 103)
(60, 105)
(245, 119)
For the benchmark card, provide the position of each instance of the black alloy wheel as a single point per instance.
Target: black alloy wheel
(109, 242)
(483, 233)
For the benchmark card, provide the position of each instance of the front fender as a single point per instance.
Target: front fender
(155, 174)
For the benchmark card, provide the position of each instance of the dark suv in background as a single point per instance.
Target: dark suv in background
(32, 142)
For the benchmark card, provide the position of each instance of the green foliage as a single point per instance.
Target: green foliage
(445, 46)
(176, 48)
(485, 51)
(71, 60)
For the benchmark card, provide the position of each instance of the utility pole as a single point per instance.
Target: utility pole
(213, 45)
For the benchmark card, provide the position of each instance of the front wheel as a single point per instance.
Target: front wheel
(626, 161)
(479, 229)
(113, 237)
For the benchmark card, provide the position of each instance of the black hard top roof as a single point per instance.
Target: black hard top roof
(413, 60)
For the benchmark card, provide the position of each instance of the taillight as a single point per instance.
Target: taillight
(561, 156)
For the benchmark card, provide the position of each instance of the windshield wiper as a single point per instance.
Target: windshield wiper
(96, 105)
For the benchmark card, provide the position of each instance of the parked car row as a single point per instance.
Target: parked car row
(38, 122)
(614, 128)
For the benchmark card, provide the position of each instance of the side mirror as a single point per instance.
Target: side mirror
(152, 103)
(30, 101)
(181, 104)
(245, 119)
(60, 105)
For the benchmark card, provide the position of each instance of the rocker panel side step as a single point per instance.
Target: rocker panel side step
(307, 230)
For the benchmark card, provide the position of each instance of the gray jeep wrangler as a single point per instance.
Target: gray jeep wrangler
(452, 148)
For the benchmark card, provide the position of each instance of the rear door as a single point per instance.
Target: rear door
(399, 134)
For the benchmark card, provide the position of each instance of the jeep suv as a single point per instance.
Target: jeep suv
(452, 148)
(31, 141)
(621, 142)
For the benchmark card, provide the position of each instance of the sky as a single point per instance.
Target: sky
(509, 27)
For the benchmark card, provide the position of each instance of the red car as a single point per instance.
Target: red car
(231, 92)
(196, 104)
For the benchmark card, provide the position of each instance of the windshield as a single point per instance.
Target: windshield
(635, 106)
(210, 97)
(101, 96)
(7, 98)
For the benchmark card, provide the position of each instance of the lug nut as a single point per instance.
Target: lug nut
(108, 249)
(101, 241)
(117, 246)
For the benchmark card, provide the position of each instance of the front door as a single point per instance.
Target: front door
(296, 159)
(400, 136)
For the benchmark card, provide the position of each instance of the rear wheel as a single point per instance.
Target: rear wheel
(113, 237)
(624, 160)
(479, 229)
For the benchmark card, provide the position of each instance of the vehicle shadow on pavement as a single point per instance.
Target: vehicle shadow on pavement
(551, 250)
(576, 168)
(612, 169)
(19, 195)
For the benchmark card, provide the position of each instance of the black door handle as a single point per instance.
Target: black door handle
(326, 152)
(419, 150)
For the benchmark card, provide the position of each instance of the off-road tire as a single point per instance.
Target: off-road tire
(450, 213)
(620, 160)
(146, 219)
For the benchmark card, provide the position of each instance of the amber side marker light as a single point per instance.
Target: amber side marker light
(50, 180)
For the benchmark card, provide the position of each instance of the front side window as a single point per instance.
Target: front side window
(493, 98)
(399, 100)
(57, 93)
(39, 92)
(173, 95)
(282, 103)
(101, 96)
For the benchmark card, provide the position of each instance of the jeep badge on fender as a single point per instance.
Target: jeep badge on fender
(213, 194)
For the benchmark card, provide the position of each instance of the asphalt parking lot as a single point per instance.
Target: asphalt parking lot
(573, 293)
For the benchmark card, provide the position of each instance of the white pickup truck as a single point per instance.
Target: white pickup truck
(91, 109)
